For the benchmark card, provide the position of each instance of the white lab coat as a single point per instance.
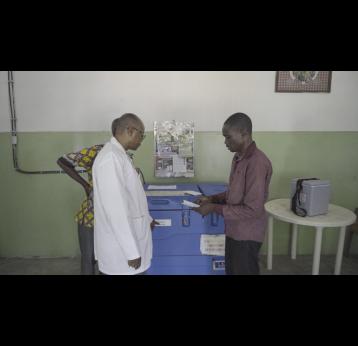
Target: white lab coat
(121, 217)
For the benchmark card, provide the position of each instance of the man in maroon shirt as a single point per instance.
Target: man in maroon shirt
(242, 205)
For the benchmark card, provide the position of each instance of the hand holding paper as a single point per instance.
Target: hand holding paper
(203, 200)
(205, 209)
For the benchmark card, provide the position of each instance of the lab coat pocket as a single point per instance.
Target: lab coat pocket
(139, 227)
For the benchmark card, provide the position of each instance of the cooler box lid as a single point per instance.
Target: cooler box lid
(209, 189)
(316, 183)
(170, 196)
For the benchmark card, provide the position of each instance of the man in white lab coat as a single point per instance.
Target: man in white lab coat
(122, 228)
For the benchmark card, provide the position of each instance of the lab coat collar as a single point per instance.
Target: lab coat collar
(117, 144)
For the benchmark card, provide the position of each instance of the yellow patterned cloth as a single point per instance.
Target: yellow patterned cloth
(84, 159)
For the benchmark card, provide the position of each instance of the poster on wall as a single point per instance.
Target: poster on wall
(174, 149)
(303, 81)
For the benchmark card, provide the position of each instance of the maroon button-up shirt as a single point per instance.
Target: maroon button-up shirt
(243, 209)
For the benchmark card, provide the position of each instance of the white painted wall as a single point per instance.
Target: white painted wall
(90, 100)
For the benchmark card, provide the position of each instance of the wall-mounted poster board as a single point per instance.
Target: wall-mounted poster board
(174, 149)
(303, 81)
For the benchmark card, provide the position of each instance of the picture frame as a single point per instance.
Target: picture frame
(303, 81)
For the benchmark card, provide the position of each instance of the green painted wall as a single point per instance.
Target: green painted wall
(37, 210)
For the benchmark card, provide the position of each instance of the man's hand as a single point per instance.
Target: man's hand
(153, 223)
(135, 263)
(205, 209)
(203, 200)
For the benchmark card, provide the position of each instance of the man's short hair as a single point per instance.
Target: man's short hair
(240, 122)
(124, 121)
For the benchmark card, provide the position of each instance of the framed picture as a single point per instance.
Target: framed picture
(303, 81)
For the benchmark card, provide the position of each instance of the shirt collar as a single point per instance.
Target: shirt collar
(249, 151)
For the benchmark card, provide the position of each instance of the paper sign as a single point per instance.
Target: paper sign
(164, 222)
(163, 193)
(213, 245)
(174, 149)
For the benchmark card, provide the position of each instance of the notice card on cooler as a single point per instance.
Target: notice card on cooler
(164, 222)
(213, 245)
(162, 187)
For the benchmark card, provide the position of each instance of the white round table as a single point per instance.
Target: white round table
(336, 217)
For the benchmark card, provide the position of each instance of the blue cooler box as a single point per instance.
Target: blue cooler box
(176, 242)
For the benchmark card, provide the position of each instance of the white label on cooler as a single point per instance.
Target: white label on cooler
(164, 222)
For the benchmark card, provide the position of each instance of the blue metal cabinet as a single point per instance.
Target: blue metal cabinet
(209, 189)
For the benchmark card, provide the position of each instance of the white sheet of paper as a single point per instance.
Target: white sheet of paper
(163, 193)
(213, 245)
(193, 193)
(190, 204)
(162, 187)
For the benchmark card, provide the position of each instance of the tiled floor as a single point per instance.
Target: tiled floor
(282, 265)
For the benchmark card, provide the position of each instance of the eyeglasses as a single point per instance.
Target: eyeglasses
(142, 134)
